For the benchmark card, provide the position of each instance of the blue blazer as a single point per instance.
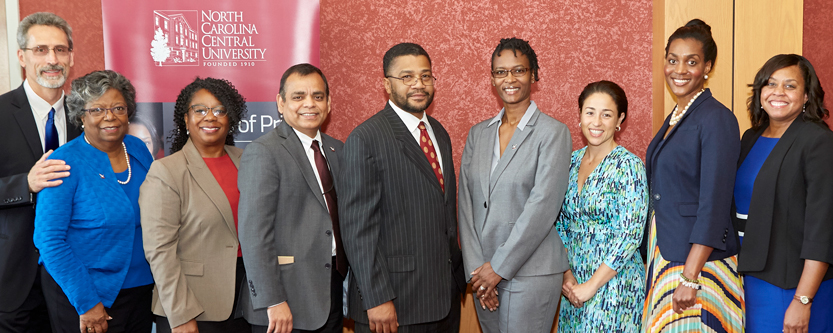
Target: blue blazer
(84, 228)
(691, 175)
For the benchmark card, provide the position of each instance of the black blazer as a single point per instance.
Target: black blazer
(20, 148)
(691, 174)
(399, 228)
(791, 211)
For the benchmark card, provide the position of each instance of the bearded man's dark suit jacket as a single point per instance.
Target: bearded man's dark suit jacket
(20, 148)
(399, 227)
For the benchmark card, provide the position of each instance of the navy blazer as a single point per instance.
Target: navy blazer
(691, 175)
(790, 212)
(85, 227)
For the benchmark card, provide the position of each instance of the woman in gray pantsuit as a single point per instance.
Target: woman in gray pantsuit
(513, 178)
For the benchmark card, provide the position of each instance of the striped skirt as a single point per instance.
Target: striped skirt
(719, 306)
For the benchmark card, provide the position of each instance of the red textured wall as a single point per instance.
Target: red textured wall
(577, 42)
(84, 16)
(818, 44)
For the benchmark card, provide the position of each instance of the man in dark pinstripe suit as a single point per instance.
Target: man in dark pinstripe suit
(399, 209)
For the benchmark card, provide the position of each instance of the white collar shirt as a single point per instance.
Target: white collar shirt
(412, 124)
(40, 111)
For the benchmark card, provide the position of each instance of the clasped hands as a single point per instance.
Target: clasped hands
(484, 282)
(577, 293)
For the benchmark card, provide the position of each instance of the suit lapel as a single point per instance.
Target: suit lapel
(515, 143)
(692, 109)
(206, 181)
(410, 147)
(330, 154)
(445, 151)
(26, 121)
(292, 144)
(485, 153)
(72, 131)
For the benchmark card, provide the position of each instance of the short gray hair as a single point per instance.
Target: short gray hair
(89, 88)
(42, 18)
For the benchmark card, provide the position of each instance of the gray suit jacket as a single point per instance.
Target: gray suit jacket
(189, 238)
(399, 227)
(285, 228)
(506, 216)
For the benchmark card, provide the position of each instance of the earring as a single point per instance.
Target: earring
(618, 128)
(187, 132)
(706, 76)
(82, 126)
(804, 108)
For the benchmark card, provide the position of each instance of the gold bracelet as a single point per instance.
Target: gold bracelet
(695, 281)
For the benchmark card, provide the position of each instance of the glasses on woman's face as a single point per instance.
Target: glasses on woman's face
(516, 72)
(201, 111)
(100, 112)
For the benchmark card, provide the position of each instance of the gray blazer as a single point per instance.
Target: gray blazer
(507, 218)
(285, 228)
(399, 227)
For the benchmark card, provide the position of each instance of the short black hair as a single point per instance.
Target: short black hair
(402, 49)
(700, 31)
(518, 45)
(303, 70)
(616, 93)
(224, 91)
(814, 110)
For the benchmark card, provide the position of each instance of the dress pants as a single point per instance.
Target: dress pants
(230, 325)
(31, 316)
(526, 304)
(131, 310)
(449, 324)
(335, 321)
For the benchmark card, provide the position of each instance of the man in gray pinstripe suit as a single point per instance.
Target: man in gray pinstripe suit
(399, 209)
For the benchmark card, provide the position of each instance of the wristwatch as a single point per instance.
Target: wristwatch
(803, 299)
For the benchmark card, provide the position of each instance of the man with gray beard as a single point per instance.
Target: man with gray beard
(34, 123)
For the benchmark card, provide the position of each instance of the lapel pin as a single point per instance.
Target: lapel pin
(514, 146)
(332, 149)
(100, 175)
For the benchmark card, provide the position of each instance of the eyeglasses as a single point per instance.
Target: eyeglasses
(100, 112)
(43, 50)
(409, 80)
(516, 72)
(200, 110)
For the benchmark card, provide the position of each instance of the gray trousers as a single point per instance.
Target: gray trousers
(526, 304)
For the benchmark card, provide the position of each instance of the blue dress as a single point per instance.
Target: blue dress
(603, 223)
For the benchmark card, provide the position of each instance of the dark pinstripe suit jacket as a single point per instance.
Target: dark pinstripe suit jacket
(399, 228)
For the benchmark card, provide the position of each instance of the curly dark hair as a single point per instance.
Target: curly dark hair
(814, 110)
(700, 31)
(224, 91)
(518, 45)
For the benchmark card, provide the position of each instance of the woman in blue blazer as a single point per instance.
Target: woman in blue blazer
(783, 195)
(693, 283)
(88, 229)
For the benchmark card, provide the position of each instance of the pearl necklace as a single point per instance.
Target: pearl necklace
(675, 118)
(126, 158)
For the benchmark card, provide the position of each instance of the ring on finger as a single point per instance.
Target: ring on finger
(89, 329)
(482, 288)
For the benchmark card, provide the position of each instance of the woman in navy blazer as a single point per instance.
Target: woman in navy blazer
(783, 196)
(690, 164)
(88, 229)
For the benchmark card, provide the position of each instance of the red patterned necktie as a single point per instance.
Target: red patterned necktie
(428, 148)
(330, 197)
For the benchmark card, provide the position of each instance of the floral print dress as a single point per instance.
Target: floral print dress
(603, 223)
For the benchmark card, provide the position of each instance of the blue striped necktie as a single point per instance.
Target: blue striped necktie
(51, 133)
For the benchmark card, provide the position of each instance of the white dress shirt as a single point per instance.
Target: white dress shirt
(412, 124)
(306, 142)
(40, 110)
